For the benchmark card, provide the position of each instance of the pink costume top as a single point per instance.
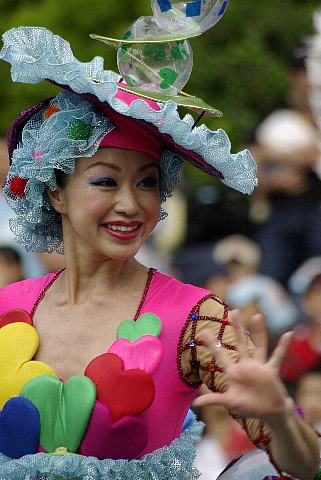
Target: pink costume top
(177, 370)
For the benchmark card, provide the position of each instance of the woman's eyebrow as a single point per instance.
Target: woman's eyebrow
(148, 165)
(104, 164)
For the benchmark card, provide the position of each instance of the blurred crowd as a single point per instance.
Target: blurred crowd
(262, 258)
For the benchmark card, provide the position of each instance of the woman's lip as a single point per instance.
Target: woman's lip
(121, 223)
(123, 230)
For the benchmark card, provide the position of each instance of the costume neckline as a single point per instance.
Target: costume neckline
(43, 292)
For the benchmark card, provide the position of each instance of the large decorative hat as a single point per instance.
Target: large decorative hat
(154, 64)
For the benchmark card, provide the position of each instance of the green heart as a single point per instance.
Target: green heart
(179, 52)
(64, 409)
(169, 77)
(125, 47)
(146, 324)
(156, 51)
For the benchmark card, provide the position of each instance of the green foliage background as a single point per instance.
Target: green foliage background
(240, 65)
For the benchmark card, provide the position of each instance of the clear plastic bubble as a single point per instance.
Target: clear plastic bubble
(190, 17)
(158, 67)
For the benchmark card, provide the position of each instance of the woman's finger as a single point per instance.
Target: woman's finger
(241, 337)
(259, 337)
(218, 351)
(209, 399)
(280, 351)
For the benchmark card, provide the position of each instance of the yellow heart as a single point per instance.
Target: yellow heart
(18, 345)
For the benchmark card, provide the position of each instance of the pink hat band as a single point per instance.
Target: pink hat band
(127, 133)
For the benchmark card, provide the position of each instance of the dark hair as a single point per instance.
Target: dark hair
(61, 178)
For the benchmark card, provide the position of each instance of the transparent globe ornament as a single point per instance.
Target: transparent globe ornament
(154, 66)
(191, 16)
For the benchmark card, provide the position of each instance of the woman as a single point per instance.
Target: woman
(132, 346)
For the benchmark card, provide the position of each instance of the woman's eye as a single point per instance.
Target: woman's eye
(149, 182)
(104, 182)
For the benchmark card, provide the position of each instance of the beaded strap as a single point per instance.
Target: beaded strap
(151, 273)
(44, 291)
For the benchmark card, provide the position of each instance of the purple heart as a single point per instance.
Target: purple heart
(19, 428)
(145, 353)
(124, 439)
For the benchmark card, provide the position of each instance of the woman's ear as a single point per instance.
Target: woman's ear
(56, 198)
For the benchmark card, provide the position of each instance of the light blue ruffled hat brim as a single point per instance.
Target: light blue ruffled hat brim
(35, 54)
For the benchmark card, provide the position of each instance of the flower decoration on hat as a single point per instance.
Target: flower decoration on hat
(17, 186)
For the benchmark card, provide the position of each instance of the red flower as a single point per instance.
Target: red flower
(17, 186)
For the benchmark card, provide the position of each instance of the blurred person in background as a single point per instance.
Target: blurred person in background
(285, 207)
(195, 264)
(304, 353)
(223, 440)
(308, 397)
(251, 292)
(11, 268)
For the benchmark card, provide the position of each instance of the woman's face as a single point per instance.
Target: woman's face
(111, 203)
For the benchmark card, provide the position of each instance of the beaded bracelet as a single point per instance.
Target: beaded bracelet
(298, 410)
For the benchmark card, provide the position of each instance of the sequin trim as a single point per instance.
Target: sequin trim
(170, 462)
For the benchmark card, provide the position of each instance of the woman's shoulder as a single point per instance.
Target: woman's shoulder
(169, 281)
(177, 292)
(23, 294)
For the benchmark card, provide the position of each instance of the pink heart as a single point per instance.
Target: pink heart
(145, 353)
(124, 439)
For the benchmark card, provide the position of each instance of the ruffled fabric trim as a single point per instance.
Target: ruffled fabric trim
(173, 461)
(36, 54)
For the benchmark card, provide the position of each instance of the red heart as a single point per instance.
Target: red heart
(125, 439)
(15, 315)
(125, 393)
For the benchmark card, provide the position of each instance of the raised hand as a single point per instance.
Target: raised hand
(254, 388)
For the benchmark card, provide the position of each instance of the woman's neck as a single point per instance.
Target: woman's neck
(87, 280)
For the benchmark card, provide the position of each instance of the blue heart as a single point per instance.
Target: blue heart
(19, 428)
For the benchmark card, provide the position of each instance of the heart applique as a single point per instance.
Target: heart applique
(124, 439)
(18, 345)
(19, 428)
(64, 409)
(146, 324)
(155, 51)
(179, 52)
(169, 76)
(125, 393)
(144, 353)
(15, 315)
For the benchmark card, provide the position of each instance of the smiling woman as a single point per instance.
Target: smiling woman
(111, 203)
(115, 351)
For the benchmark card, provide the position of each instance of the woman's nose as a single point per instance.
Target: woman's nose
(126, 201)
